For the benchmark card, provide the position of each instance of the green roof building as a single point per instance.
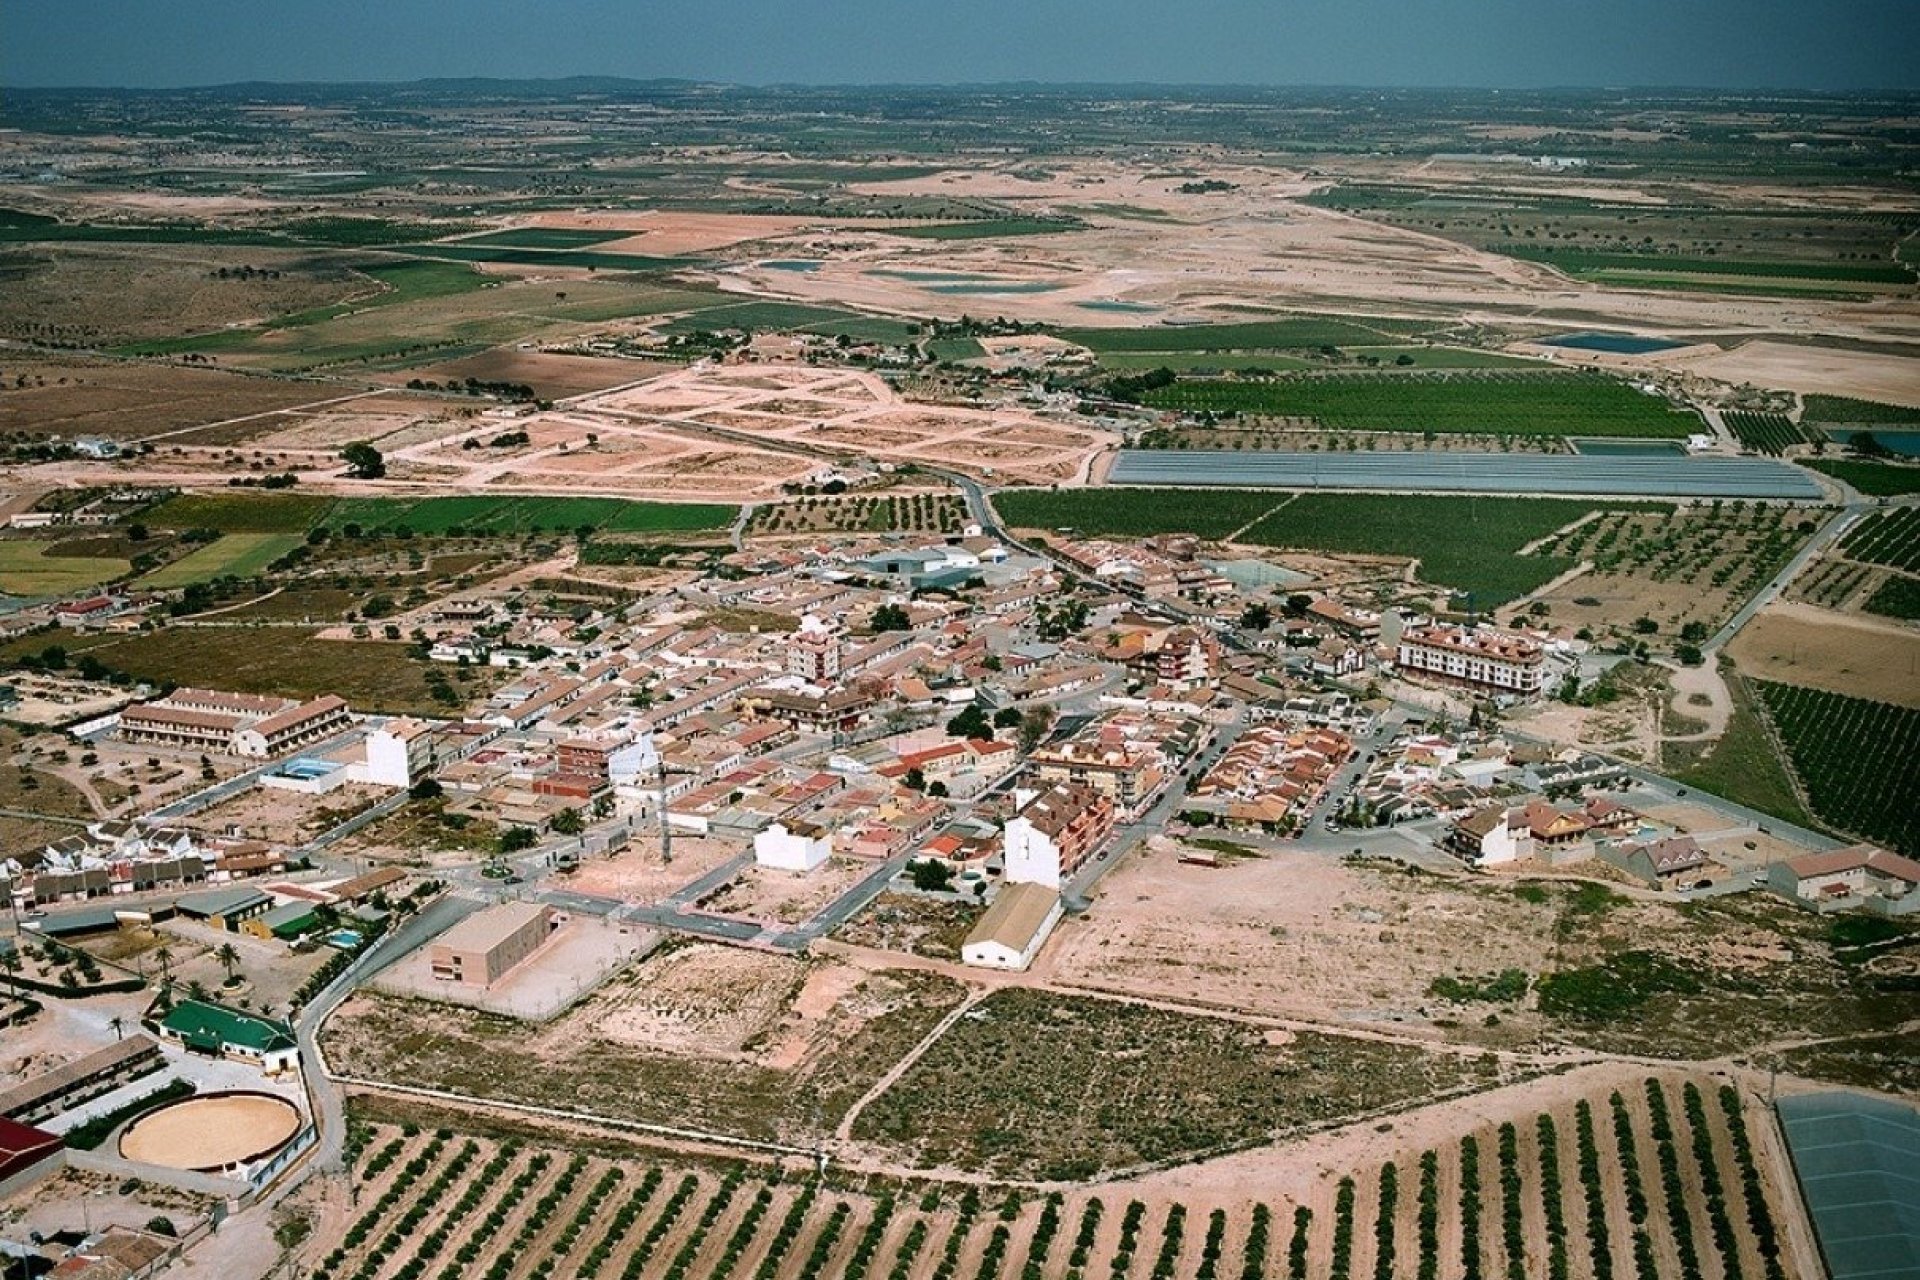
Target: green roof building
(209, 1028)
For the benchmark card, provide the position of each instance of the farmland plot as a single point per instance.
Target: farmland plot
(1858, 760)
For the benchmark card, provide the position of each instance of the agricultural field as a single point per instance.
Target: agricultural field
(27, 569)
(1661, 1175)
(1517, 404)
(1299, 333)
(1134, 513)
(543, 238)
(1688, 568)
(1895, 598)
(504, 515)
(231, 555)
(1038, 1085)
(1858, 760)
(789, 317)
(702, 1036)
(1844, 411)
(1886, 537)
(984, 229)
(1470, 544)
(65, 397)
(1742, 765)
(936, 513)
(1769, 433)
(372, 675)
(1875, 479)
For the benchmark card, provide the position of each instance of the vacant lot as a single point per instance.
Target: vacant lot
(1034, 1084)
(1841, 653)
(767, 1055)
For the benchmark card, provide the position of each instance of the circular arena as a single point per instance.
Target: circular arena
(212, 1132)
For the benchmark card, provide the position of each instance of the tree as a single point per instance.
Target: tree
(602, 807)
(568, 822)
(364, 462)
(937, 789)
(162, 1226)
(931, 875)
(1006, 718)
(916, 779)
(1297, 605)
(1645, 626)
(972, 722)
(117, 1025)
(1257, 617)
(1694, 632)
(163, 956)
(228, 956)
(426, 789)
(1034, 725)
(891, 617)
(514, 839)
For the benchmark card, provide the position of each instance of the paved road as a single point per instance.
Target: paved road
(1829, 534)
(329, 1103)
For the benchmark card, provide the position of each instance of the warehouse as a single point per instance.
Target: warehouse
(481, 949)
(1014, 928)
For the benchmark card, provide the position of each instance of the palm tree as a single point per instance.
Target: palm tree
(163, 956)
(118, 1024)
(10, 961)
(228, 958)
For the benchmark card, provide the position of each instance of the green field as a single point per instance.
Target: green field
(1768, 433)
(1489, 404)
(26, 570)
(1468, 543)
(1585, 262)
(467, 251)
(1741, 765)
(295, 513)
(1844, 409)
(517, 515)
(1875, 479)
(371, 675)
(956, 349)
(1886, 537)
(1896, 598)
(1259, 335)
(987, 228)
(1135, 513)
(1858, 760)
(241, 512)
(1204, 361)
(239, 555)
(541, 238)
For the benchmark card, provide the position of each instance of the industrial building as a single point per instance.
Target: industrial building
(481, 949)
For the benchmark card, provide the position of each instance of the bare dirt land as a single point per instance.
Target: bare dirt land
(787, 896)
(208, 1133)
(1843, 653)
(128, 401)
(1814, 370)
(637, 873)
(552, 375)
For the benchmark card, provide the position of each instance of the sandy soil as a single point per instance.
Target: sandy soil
(205, 1133)
(787, 896)
(1816, 370)
(637, 874)
(1843, 653)
(1256, 936)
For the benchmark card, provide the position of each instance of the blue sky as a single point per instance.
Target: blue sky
(1846, 44)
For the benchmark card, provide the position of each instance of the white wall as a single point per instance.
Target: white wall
(782, 850)
(1032, 857)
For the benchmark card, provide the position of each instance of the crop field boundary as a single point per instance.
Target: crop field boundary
(577, 1117)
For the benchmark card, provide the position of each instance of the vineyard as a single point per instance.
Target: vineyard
(1134, 513)
(1896, 598)
(1859, 761)
(1887, 537)
(934, 513)
(1655, 1179)
(1483, 403)
(1769, 433)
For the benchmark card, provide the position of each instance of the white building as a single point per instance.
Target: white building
(399, 753)
(1482, 658)
(792, 846)
(1014, 928)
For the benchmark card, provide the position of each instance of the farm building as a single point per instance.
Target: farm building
(481, 949)
(1857, 877)
(287, 921)
(1014, 928)
(26, 1155)
(49, 1093)
(226, 908)
(209, 1028)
